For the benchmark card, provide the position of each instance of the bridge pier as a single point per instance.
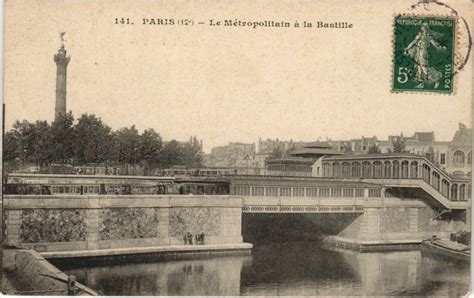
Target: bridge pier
(398, 222)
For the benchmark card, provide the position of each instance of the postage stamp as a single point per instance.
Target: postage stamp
(424, 51)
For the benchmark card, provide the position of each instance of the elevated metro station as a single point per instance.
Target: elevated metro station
(366, 201)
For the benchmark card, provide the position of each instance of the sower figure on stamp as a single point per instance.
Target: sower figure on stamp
(418, 50)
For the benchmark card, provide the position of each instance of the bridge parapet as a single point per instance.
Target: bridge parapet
(95, 222)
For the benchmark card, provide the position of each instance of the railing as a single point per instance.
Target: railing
(303, 209)
(306, 191)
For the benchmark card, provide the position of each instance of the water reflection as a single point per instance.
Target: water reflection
(215, 276)
(293, 268)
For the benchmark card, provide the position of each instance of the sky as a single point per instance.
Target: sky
(222, 84)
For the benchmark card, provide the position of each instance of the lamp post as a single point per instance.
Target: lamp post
(135, 149)
(247, 164)
(24, 158)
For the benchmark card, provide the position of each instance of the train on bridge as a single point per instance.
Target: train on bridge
(64, 184)
(252, 185)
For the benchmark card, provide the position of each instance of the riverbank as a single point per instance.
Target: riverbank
(26, 272)
(373, 245)
(172, 251)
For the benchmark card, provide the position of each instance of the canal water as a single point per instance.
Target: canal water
(288, 268)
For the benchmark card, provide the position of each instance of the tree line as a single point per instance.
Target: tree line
(90, 141)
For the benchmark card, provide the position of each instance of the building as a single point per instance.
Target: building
(299, 160)
(233, 155)
(459, 153)
(354, 146)
(454, 157)
(421, 143)
(313, 150)
(269, 145)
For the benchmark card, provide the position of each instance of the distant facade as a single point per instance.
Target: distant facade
(459, 155)
(240, 157)
(453, 156)
(354, 146)
(269, 145)
(297, 158)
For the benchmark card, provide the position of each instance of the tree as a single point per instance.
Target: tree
(277, 152)
(374, 149)
(43, 146)
(23, 133)
(150, 148)
(399, 145)
(192, 153)
(10, 146)
(63, 138)
(29, 142)
(93, 140)
(126, 143)
(171, 154)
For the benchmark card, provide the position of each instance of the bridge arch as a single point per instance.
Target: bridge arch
(435, 181)
(454, 192)
(387, 169)
(405, 169)
(427, 173)
(327, 169)
(366, 169)
(395, 169)
(378, 169)
(414, 170)
(356, 171)
(346, 169)
(445, 188)
(462, 192)
(336, 169)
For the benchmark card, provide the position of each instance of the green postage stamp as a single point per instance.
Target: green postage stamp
(423, 57)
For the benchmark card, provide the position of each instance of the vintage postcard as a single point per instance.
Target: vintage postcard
(237, 148)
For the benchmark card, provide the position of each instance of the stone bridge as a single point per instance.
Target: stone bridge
(97, 223)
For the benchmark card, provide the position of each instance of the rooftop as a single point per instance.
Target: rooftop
(314, 151)
(291, 160)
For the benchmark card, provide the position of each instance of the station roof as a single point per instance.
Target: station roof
(316, 152)
(291, 160)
